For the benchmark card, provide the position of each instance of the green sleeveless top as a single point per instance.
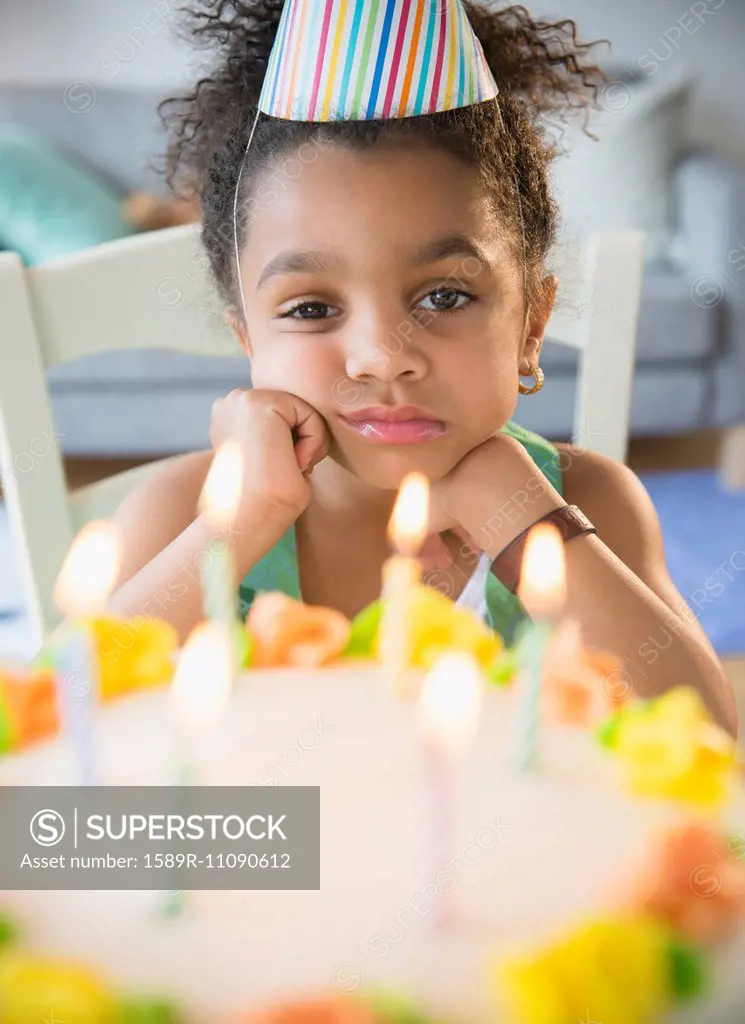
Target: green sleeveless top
(278, 569)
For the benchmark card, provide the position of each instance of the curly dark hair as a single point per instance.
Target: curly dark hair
(541, 69)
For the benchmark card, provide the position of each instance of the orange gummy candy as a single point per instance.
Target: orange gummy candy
(31, 702)
(288, 632)
(585, 690)
(691, 880)
(334, 1010)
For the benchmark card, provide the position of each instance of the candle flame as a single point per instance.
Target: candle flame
(202, 682)
(407, 529)
(222, 489)
(90, 570)
(542, 587)
(450, 702)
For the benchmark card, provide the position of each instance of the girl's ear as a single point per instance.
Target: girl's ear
(539, 313)
(237, 325)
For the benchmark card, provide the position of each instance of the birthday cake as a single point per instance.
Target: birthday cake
(605, 884)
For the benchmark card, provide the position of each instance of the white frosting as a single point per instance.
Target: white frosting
(533, 854)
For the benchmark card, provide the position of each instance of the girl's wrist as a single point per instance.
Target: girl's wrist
(500, 493)
(495, 522)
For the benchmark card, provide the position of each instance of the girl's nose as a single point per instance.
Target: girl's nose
(383, 353)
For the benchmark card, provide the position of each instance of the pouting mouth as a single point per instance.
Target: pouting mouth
(391, 414)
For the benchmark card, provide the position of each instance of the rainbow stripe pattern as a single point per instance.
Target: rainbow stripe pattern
(362, 60)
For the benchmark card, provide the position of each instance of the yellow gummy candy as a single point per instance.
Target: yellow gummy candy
(655, 752)
(613, 970)
(704, 786)
(133, 655)
(616, 970)
(683, 704)
(671, 748)
(32, 988)
(716, 748)
(531, 993)
(437, 625)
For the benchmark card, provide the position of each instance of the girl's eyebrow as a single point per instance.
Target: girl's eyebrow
(451, 245)
(299, 261)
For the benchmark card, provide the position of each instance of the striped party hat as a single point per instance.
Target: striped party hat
(361, 60)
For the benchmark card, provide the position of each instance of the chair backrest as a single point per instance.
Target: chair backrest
(154, 291)
(150, 291)
(598, 314)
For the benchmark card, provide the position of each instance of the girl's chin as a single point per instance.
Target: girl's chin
(387, 468)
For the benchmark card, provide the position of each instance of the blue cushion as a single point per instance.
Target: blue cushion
(50, 206)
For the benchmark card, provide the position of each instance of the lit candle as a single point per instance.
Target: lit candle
(83, 587)
(218, 504)
(198, 699)
(200, 691)
(450, 707)
(542, 591)
(402, 573)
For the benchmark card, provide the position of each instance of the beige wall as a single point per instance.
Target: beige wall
(112, 43)
(705, 38)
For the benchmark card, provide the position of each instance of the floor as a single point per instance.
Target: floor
(698, 451)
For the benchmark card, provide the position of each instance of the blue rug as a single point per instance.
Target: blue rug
(704, 530)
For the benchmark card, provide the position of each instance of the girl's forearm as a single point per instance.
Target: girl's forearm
(169, 586)
(619, 613)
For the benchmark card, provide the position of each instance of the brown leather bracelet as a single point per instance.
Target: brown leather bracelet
(569, 520)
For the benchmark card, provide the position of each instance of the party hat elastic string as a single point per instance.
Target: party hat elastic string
(523, 238)
(236, 200)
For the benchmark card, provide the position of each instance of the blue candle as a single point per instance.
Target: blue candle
(199, 698)
(77, 687)
(542, 592)
(83, 587)
(219, 504)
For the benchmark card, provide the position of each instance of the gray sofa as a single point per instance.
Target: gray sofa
(691, 354)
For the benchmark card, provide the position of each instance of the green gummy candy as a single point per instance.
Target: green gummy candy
(364, 632)
(736, 846)
(6, 728)
(44, 660)
(392, 1008)
(8, 932)
(688, 970)
(607, 731)
(504, 669)
(244, 647)
(148, 1011)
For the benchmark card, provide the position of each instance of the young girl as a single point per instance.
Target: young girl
(390, 293)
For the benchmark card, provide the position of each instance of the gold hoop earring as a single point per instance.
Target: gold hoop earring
(540, 377)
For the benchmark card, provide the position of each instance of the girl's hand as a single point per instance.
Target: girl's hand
(282, 438)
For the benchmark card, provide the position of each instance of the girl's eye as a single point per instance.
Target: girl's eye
(446, 300)
(309, 311)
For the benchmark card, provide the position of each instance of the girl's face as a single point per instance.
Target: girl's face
(378, 289)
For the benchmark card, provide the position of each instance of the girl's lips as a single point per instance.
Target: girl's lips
(402, 432)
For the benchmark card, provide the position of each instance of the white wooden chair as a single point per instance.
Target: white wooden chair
(597, 313)
(154, 291)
